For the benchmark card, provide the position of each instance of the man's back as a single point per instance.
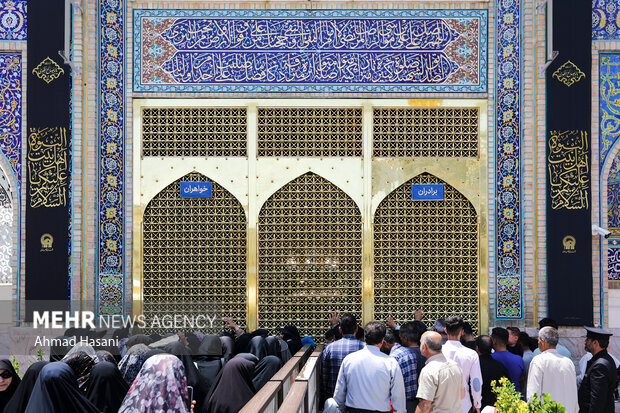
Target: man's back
(467, 359)
(332, 358)
(407, 361)
(552, 373)
(369, 379)
(491, 370)
(513, 363)
(441, 382)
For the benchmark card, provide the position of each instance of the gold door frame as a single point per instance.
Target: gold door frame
(367, 180)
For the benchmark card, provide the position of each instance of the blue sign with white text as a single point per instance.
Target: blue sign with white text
(195, 189)
(428, 192)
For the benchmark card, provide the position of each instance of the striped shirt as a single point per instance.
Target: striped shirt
(332, 358)
(407, 360)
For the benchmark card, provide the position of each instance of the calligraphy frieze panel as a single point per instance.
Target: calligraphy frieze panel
(11, 110)
(569, 169)
(613, 261)
(310, 51)
(609, 103)
(48, 166)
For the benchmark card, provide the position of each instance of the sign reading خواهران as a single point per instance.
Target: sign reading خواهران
(195, 189)
(430, 192)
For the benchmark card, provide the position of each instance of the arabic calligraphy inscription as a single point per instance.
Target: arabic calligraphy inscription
(569, 169)
(48, 167)
(569, 73)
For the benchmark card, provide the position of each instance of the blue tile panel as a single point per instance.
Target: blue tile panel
(13, 19)
(298, 51)
(613, 220)
(605, 19)
(509, 283)
(111, 281)
(11, 111)
(609, 104)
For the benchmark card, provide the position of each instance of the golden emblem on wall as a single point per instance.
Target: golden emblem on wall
(569, 73)
(568, 242)
(48, 70)
(47, 242)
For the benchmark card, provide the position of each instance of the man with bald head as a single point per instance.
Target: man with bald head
(440, 384)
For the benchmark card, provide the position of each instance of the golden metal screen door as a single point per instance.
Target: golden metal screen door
(194, 254)
(310, 256)
(426, 255)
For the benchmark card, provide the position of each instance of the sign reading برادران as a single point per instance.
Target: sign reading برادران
(48, 159)
(569, 238)
(364, 51)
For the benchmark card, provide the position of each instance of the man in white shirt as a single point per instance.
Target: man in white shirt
(369, 379)
(468, 361)
(550, 322)
(552, 373)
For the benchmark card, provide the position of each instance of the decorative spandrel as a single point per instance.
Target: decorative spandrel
(48, 167)
(426, 255)
(569, 169)
(310, 256)
(609, 104)
(13, 19)
(11, 111)
(194, 131)
(312, 132)
(426, 132)
(194, 254)
(310, 51)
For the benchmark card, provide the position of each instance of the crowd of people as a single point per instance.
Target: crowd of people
(178, 372)
(446, 369)
(382, 367)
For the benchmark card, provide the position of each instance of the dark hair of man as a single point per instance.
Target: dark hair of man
(348, 324)
(390, 337)
(515, 330)
(484, 344)
(548, 322)
(500, 334)
(603, 341)
(374, 332)
(409, 331)
(524, 339)
(453, 324)
(467, 330)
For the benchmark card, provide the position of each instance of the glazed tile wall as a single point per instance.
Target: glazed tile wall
(509, 284)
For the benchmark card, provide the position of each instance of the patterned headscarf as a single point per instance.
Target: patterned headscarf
(131, 363)
(81, 364)
(159, 387)
(103, 355)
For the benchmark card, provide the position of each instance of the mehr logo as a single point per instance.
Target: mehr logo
(569, 244)
(47, 242)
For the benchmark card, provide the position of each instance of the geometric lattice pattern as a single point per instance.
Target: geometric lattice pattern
(426, 255)
(194, 253)
(170, 132)
(310, 256)
(507, 246)
(310, 132)
(426, 132)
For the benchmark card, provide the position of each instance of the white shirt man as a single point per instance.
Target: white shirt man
(468, 361)
(552, 373)
(369, 379)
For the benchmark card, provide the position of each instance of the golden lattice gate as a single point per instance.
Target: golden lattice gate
(311, 210)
